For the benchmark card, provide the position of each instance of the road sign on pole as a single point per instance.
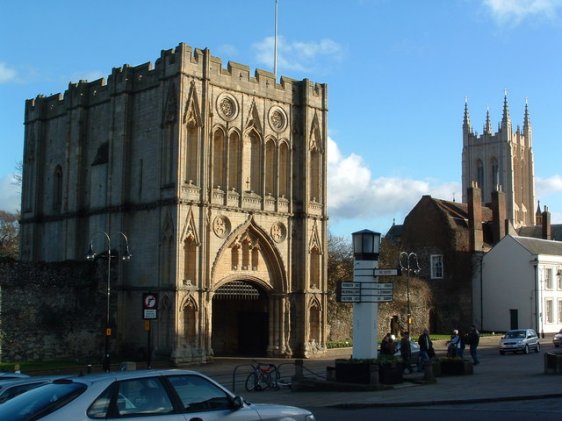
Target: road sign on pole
(386, 272)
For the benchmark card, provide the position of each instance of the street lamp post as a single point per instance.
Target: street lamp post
(409, 263)
(91, 255)
(366, 249)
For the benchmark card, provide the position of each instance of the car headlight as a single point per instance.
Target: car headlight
(309, 418)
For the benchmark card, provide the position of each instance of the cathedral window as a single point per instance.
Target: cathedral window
(495, 173)
(480, 174)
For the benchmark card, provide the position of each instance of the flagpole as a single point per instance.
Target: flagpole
(275, 45)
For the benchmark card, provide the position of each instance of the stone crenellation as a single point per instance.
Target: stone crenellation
(183, 58)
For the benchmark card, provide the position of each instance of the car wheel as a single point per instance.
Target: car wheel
(538, 348)
(502, 352)
(556, 345)
(526, 350)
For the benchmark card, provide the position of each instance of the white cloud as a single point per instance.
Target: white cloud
(515, 11)
(548, 186)
(7, 74)
(296, 56)
(10, 197)
(353, 193)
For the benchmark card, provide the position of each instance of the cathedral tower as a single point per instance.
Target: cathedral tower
(501, 161)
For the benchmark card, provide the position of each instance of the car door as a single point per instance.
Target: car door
(532, 338)
(205, 401)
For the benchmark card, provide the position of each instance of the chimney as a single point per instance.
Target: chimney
(476, 238)
(499, 215)
(546, 227)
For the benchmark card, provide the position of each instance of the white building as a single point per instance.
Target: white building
(521, 286)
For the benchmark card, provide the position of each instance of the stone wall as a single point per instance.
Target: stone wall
(51, 311)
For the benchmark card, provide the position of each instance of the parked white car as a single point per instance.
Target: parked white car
(165, 395)
(520, 340)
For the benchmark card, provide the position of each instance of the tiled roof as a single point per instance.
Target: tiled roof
(539, 246)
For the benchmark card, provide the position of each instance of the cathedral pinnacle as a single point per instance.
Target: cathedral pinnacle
(488, 125)
(527, 119)
(466, 120)
(506, 119)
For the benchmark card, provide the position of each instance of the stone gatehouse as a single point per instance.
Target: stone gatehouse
(216, 181)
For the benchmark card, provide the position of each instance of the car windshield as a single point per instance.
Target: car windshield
(515, 334)
(40, 401)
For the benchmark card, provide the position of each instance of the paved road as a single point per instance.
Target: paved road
(497, 378)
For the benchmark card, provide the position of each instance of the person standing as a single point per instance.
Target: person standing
(473, 339)
(406, 351)
(426, 349)
(387, 345)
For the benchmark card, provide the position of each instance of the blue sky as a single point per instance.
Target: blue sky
(398, 73)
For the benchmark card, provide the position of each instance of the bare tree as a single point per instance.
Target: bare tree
(9, 230)
(17, 176)
(340, 268)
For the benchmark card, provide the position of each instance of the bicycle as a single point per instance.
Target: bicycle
(262, 377)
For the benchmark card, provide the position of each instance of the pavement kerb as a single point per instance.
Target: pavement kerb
(443, 402)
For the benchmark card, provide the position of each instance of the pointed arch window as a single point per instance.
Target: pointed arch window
(219, 170)
(190, 261)
(192, 154)
(189, 321)
(314, 319)
(235, 257)
(284, 170)
(255, 258)
(270, 168)
(495, 173)
(480, 174)
(314, 268)
(234, 162)
(246, 255)
(315, 175)
(57, 189)
(255, 163)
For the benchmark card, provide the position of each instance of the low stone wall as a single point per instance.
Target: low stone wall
(51, 311)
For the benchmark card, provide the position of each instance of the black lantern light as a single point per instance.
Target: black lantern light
(366, 245)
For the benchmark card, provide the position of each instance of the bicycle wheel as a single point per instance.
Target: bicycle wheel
(273, 379)
(252, 383)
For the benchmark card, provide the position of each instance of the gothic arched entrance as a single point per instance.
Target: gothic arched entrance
(240, 319)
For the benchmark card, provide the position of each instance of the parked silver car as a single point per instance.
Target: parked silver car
(414, 351)
(166, 395)
(520, 340)
(557, 339)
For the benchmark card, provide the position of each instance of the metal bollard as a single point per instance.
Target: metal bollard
(428, 371)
